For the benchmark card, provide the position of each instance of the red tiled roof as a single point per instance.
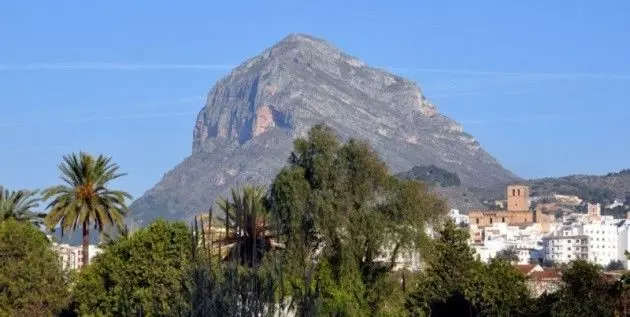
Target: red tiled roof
(546, 275)
(525, 268)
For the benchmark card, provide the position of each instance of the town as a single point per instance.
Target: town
(539, 242)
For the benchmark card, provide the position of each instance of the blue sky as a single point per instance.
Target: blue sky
(543, 85)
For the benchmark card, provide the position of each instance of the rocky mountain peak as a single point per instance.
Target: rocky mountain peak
(286, 70)
(244, 133)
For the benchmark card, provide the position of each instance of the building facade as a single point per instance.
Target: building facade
(603, 242)
(516, 212)
(71, 257)
(565, 248)
(567, 243)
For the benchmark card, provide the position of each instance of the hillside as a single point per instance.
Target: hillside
(431, 175)
(245, 131)
(603, 189)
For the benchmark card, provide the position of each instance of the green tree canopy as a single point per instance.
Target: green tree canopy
(146, 273)
(455, 283)
(585, 292)
(345, 221)
(32, 282)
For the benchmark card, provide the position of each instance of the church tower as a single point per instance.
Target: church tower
(517, 198)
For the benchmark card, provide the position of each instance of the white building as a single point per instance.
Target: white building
(603, 242)
(623, 242)
(72, 256)
(458, 218)
(567, 243)
(565, 248)
(489, 249)
(526, 240)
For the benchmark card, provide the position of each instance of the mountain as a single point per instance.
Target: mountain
(244, 132)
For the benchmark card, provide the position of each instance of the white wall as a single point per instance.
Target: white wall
(564, 249)
(623, 244)
(603, 242)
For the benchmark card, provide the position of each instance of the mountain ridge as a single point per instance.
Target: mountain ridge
(244, 133)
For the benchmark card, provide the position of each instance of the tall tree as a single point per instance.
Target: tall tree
(346, 222)
(85, 199)
(501, 290)
(19, 205)
(456, 283)
(447, 286)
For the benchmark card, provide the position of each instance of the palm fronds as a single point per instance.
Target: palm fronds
(19, 205)
(84, 198)
(248, 235)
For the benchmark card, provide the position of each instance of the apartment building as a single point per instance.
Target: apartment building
(603, 242)
(71, 257)
(595, 240)
(565, 248)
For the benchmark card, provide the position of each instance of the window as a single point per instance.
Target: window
(502, 219)
(490, 220)
(513, 192)
(519, 192)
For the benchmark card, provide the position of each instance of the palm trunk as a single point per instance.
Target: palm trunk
(86, 243)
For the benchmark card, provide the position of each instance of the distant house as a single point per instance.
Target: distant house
(539, 280)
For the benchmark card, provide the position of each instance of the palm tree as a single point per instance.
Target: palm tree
(248, 234)
(19, 205)
(85, 198)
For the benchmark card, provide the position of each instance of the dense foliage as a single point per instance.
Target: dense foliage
(586, 292)
(432, 175)
(335, 235)
(455, 283)
(345, 221)
(145, 272)
(31, 280)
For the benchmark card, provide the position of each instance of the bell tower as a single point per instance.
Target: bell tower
(517, 198)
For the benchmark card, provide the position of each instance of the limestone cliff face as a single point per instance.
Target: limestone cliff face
(245, 131)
